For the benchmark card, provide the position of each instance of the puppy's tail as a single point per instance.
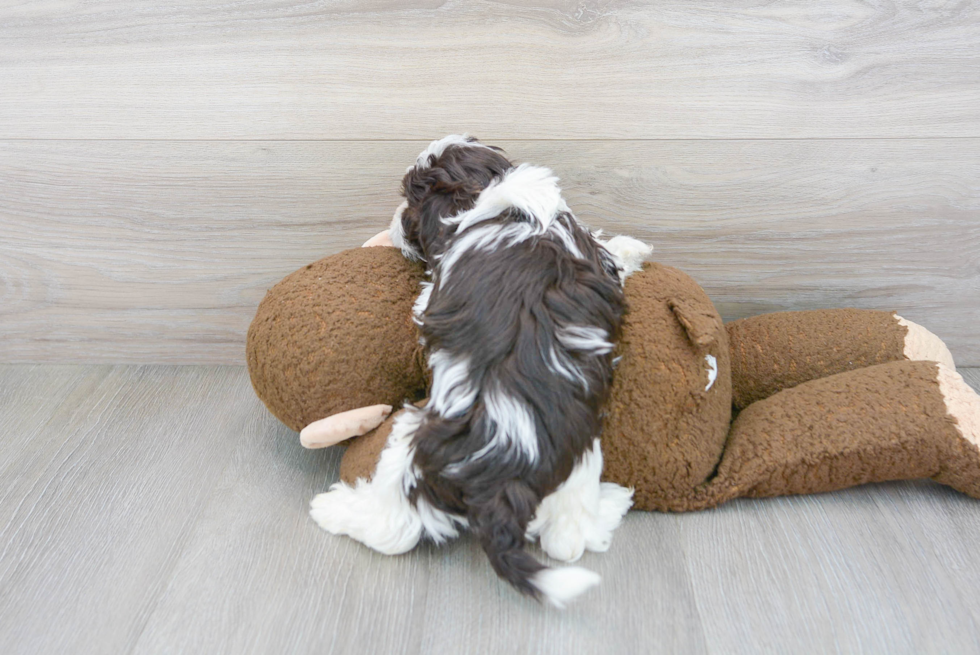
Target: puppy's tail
(500, 524)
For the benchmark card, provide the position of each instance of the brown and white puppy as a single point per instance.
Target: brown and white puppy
(519, 321)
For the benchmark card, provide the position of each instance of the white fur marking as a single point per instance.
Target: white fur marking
(560, 586)
(562, 232)
(534, 191)
(582, 513)
(513, 425)
(560, 365)
(439, 526)
(585, 338)
(439, 146)
(397, 234)
(452, 392)
(629, 254)
(422, 302)
(377, 512)
(531, 189)
(712, 370)
(489, 237)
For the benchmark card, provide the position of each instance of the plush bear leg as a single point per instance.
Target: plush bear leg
(962, 403)
(777, 351)
(894, 421)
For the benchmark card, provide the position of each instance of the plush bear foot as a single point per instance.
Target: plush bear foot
(582, 513)
(962, 468)
(923, 345)
(962, 403)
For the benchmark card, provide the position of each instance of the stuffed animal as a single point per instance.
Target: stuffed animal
(822, 400)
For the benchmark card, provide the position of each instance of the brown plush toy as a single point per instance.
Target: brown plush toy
(823, 399)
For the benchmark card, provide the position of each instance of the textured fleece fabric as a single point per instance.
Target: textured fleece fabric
(665, 430)
(337, 335)
(884, 422)
(777, 351)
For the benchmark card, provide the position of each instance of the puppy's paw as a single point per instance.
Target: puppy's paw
(563, 540)
(629, 253)
(377, 517)
(614, 502)
(331, 510)
(568, 525)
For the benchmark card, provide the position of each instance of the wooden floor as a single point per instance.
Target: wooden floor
(162, 509)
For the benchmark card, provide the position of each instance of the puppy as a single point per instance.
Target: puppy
(519, 319)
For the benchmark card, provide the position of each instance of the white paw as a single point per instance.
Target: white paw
(630, 253)
(376, 517)
(568, 526)
(614, 502)
(329, 511)
(563, 540)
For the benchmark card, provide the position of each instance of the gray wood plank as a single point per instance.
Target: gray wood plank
(29, 394)
(258, 576)
(29, 397)
(379, 69)
(645, 604)
(160, 251)
(101, 501)
(835, 572)
(161, 509)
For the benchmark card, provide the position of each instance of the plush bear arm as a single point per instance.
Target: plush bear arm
(342, 426)
(778, 351)
(379, 239)
(362, 454)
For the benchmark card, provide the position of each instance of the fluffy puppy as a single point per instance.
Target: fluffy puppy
(519, 320)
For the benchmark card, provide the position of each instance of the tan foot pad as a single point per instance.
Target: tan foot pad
(923, 345)
(962, 403)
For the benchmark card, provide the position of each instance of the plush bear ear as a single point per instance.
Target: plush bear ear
(702, 326)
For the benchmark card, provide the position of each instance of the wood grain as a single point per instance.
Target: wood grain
(146, 251)
(162, 509)
(99, 498)
(381, 69)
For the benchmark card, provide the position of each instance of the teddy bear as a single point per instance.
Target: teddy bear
(700, 411)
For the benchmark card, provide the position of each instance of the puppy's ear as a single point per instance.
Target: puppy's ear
(421, 185)
(411, 226)
(415, 185)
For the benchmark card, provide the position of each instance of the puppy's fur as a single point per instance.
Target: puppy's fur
(519, 320)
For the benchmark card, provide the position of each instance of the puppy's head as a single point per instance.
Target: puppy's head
(446, 179)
